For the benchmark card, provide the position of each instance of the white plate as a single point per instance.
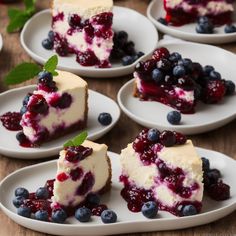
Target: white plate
(137, 26)
(1, 42)
(187, 32)
(12, 101)
(35, 176)
(207, 117)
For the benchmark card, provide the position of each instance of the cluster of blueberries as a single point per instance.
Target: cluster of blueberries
(205, 26)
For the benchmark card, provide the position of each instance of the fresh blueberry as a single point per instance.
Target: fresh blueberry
(105, 118)
(150, 209)
(18, 201)
(205, 28)
(175, 56)
(93, 199)
(22, 192)
(45, 77)
(162, 21)
(214, 75)
(213, 176)
(26, 99)
(83, 214)
(24, 211)
(186, 63)
(140, 54)
(153, 135)
(189, 210)
(208, 69)
(42, 193)
(205, 164)
(59, 216)
(23, 110)
(41, 215)
(230, 29)
(121, 38)
(108, 216)
(203, 20)
(230, 87)
(47, 44)
(179, 71)
(174, 117)
(20, 136)
(127, 60)
(51, 35)
(157, 76)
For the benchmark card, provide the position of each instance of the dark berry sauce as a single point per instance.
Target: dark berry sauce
(86, 185)
(11, 121)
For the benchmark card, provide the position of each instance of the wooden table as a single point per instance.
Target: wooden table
(221, 140)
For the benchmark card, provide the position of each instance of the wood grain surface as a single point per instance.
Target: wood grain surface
(222, 140)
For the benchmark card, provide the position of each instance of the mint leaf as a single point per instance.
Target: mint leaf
(76, 141)
(51, 64)
(17, 22)
(12, 12)
(21, 73)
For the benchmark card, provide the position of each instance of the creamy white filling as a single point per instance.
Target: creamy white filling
(96, 163)
(212, 7)
(185, 95)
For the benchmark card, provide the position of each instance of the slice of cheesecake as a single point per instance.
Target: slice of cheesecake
(84, 28)
(181, 12)
(59, 105)
(81, 170)
(167, 170)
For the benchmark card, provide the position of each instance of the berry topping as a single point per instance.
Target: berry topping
(164, 64)
(174, 117)
(104, 18)
(167, 138)
(83, 214)
(47, 44)
(51, 35)
(45, 78)
(180, 138)
(204, 26)
(93, 199)
(108, 216)
(127, 60)
(87, 58)
(214, 75)
(150, 209)
(86, 185)
(105, 118)
(62, 177)
(189, 210)
(157, 76)
(49, 185)
(213, 176)
(175, 56)
(59, 216)
(26, 99)
(76, 174)
(23, 110)
(18, 201)
(179, 71)
(160, 53)
(64, 101)
(41, 215)
(75, 154)
(230, 87)
(230, 29)
(24, 211)
(22, 192)
(38, 104)
(205, 164)
(162, 21)
(74, 21)
(97, 211)
(208, 69)
(11, 121)
(42, 193)
(153, 135)
(219, 191)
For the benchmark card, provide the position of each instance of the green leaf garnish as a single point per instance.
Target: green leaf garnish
(18, 18)
(76, 141)
(21, 73)
(51, 65)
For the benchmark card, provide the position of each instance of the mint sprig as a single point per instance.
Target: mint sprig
(18, 18)
(26, 71)
(76, 141)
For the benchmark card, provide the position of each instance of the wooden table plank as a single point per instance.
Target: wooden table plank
(220, 140)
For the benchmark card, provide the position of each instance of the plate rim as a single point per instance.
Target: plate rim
(1, 42)
(54, 149)
(123, 70)
(231, 207)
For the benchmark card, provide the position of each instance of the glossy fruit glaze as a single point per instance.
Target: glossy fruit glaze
(11, 121)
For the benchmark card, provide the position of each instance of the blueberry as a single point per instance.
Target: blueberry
(205, 164)
(129, 48)
(22, 192)
(208, 69)
(164, 64)
(45, 77)
(104, 118)
(51, 35)
(162, 21)
(179, 71)
(189, 210)
(230, 29)
(59, 216)
(186, 63)
(20, 136)
(203, 20)
(18, 201)
(93, 199)
(175, 56)
(213, 176)
(127, 60)
(24, 211)
(157, 76)
(41, 215)
(205, 28)
(26, 99)
(153, 135)
(230, 87)
(23, 110)
(140, 54)
(83, 214)
(47, 44)
(42, 193)
(108, 216)
(214, 75)
(121, 38)
(174, 117)
(150, 209)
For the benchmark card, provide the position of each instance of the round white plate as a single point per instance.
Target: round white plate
(35, 176)
(135, 24)
(187, 32)
(1, 42)
(207, 117)
(12, 101)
